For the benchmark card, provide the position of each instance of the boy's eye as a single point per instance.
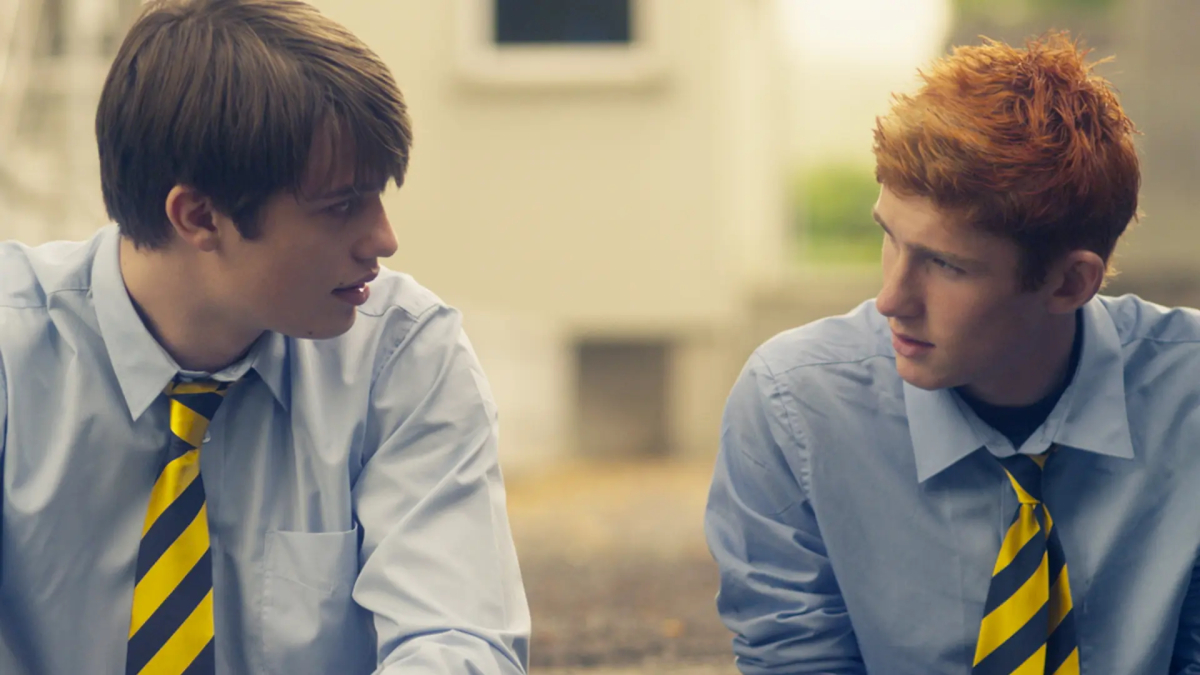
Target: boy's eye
(944, 265)
(342, 208)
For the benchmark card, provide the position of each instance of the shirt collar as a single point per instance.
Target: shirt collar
(269, 358)
(1090, 416)
(142, 367)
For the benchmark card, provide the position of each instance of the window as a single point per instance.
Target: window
(556, 21)
(505, 44)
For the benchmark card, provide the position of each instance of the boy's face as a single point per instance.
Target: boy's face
(306, 272)
(952, 297)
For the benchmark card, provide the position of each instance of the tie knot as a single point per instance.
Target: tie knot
(202, 397)
(196, 387)
(193, 405)
(1025, 472)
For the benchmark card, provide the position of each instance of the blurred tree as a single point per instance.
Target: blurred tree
(831, 203)
(1031, 6)
(832, 213)
(1094, 21)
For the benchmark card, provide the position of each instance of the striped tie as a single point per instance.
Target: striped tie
(1028, 627)
(171, 630)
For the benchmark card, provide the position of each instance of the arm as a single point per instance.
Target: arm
(777, 593)
(439, 567)
(1186, 659)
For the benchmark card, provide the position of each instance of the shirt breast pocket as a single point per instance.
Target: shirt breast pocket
(310, 622)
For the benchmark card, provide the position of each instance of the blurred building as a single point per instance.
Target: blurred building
(598, 185)
(54, 55)
(1155, 59)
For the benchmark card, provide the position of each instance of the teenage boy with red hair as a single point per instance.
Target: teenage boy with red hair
(989, 468)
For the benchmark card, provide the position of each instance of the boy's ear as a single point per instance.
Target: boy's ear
(195, 219)
(1074, 281)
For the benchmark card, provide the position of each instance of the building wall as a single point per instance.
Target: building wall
(628, 214)
(1154, 59)
(612, 215)
(609, 207)
(1157, 61)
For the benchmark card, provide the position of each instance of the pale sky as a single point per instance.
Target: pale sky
(847, 57)
(902, 33)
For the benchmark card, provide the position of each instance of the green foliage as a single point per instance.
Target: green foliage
(1034, 7)
(833, 206)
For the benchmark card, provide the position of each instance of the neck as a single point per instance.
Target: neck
(167, 293)
(1035, 372)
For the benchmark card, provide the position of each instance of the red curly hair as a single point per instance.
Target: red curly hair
(1026, 143)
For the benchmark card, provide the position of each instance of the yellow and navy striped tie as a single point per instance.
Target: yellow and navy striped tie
(171, 629)
(1028, 624)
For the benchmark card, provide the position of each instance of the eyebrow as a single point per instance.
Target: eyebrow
(956, 260)
(338, 193)
(348, 191)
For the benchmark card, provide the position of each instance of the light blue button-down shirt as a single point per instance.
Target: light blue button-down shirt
(856, 519)
(356, 509)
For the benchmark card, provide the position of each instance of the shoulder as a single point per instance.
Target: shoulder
(400, 320)
(819, 390)
(1138, 320)
(834, 368)
(31, 274)
(828, 344)
(398, 306)
(399, 297)
(402, 325)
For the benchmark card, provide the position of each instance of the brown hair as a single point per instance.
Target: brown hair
(1026, 143)
(229, 97)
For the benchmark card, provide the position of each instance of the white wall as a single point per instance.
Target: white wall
(529, 365)
(550, 213)
(614, 209)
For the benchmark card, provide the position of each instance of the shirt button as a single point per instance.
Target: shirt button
(207, 437)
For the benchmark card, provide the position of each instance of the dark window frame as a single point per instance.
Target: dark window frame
(563, 23)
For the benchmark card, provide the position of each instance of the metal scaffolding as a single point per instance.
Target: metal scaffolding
(53, 58)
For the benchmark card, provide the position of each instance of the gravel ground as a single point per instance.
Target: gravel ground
(616, 570)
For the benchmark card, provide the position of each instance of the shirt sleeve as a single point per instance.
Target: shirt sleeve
(440, 570)
(3, 421)
(3, 434)
(1186, 658)
(778, 594)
